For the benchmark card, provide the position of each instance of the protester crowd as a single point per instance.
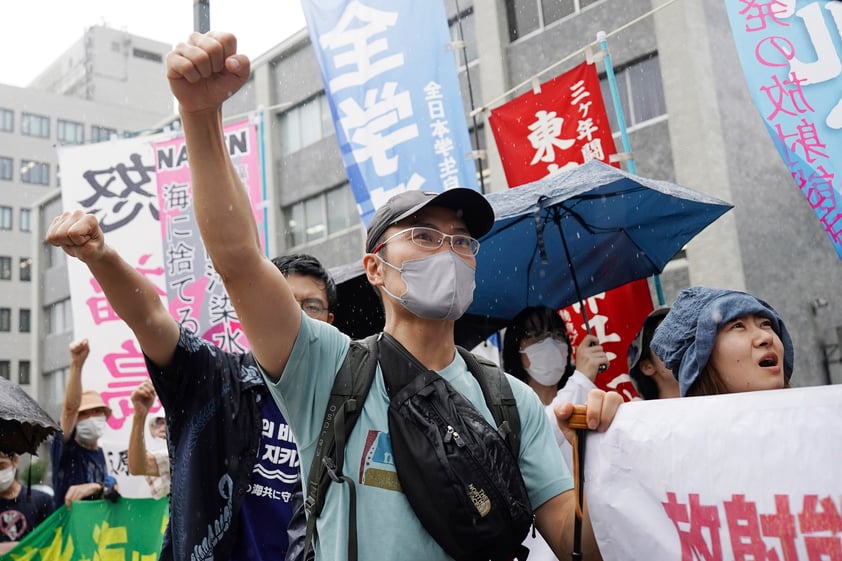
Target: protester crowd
(215, 415)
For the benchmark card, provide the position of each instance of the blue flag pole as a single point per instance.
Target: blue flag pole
(262, 151)
(624, 134)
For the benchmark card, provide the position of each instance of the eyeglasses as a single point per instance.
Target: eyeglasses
(431, 239)
(312, 307)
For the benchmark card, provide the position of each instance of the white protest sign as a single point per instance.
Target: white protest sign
(744, 476)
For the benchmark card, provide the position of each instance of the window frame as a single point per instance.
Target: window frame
(25, 220)
(25, 264)
(7, 168)
(6, 218)
(324, 217)
(97, 132)
(31, 172)
(513, 7)
(26, 120)
(291, 125)
(27, 313)
(24, 380)
(7, 116)
(628, 94)
(63, 125)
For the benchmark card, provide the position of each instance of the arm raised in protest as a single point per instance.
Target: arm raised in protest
(134, 297)
(203, 72)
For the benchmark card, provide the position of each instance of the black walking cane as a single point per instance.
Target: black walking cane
(579, 422)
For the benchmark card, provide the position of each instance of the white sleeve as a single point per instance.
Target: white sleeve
(574, 391)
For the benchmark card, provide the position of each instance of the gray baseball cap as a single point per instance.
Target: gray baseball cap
(471, 206)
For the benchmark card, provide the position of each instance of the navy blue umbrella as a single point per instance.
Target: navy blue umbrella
(570, 236)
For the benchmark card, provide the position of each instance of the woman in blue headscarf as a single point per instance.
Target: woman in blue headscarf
(723, 341)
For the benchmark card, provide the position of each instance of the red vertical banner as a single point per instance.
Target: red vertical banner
(614, 317)
(560, 126)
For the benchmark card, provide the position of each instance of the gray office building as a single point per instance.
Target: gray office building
(108, 84)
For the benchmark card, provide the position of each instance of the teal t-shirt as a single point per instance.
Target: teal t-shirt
(387, 526)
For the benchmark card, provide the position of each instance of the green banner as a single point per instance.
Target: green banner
(128, 530)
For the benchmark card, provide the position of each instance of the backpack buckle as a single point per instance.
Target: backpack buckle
(330, 466)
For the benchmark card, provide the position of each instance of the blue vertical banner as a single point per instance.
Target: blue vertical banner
(391, 82)
(790, 53)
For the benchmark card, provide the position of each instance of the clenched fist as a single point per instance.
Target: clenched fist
(78, 234)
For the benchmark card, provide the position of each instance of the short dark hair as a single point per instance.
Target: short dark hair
(307, 265)
(646, 385)
(533, 318)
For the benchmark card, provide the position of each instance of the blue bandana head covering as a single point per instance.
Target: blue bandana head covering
(685, 338)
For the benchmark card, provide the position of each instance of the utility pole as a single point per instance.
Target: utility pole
(201, 16)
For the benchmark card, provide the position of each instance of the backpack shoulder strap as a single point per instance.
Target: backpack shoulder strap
(498, 397)
(350, 388)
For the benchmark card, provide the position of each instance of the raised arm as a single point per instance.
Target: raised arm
(141, 462)
(134, 297)
(73, 389)
(203, 73)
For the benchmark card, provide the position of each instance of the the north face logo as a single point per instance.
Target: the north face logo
(480, 500)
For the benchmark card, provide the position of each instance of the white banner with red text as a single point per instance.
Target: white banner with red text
(740, 476)
(139, 189)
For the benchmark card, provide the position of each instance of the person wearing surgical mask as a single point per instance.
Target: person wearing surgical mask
(21, 509)
(536, 349)
(79, 468)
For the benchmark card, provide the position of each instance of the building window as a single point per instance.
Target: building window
(25, 269)
(5, 319)
(526, 16)
(25, 223)
(23, 373)
(70, 132)
(317, 217)
(59, 317)
(5, 268)
(55, 383)
(5, 218)
(305, 124)
(641, 92)
(5, 369)
(24, 319)
(341, 209)
(35, 125)
(6, 168)
(34, 172)
(102, 134)
(147, 55)
(7, 120)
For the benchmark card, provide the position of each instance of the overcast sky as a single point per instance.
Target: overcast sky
(33, 33)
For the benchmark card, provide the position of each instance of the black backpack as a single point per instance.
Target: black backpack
(459, 474)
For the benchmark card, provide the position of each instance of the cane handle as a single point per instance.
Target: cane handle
(578, 420)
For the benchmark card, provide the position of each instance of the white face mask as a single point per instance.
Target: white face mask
(547, 361)
(439, 286)
(89, 430)
(7, 476)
